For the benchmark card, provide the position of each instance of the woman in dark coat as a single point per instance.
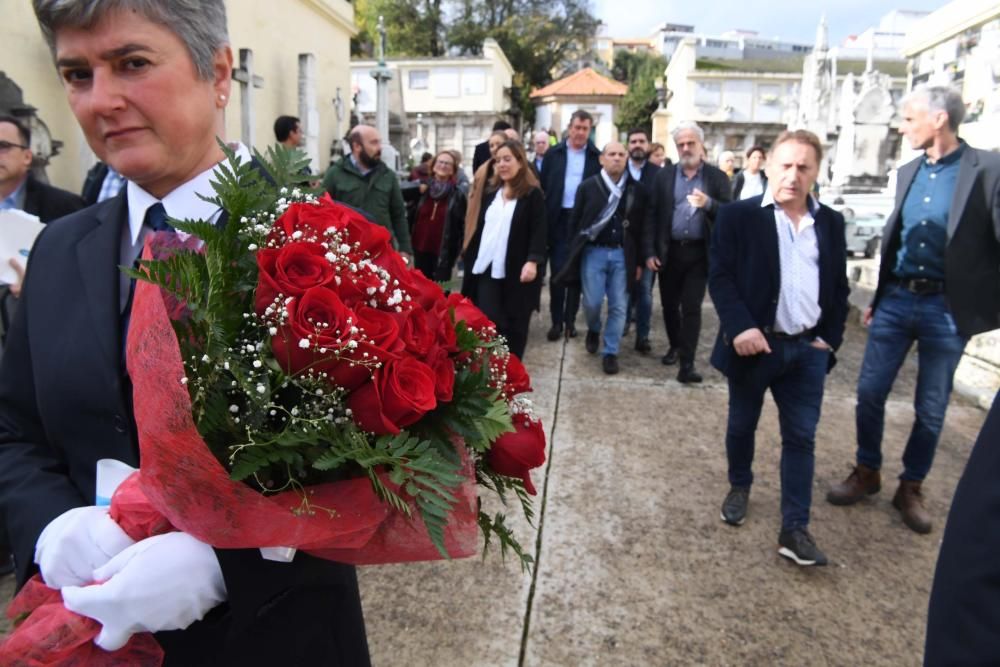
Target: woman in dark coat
(503, 254)
(441, 205)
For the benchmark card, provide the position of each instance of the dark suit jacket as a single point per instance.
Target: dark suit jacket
(591, 197)
(49, 202)
(553, 177)
(64, 405)
(647, 176)
(526, 242)
(972, 256)
(93, 182)
(660, 213)
(480, 155)
(963, 622)
(744, 277)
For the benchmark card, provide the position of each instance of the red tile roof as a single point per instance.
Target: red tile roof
(585, 83)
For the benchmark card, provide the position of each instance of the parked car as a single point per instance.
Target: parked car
(863, 231)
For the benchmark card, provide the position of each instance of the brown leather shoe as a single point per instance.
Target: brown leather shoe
(910, 502)
(863, 481)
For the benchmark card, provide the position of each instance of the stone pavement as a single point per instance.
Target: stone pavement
(635, 567)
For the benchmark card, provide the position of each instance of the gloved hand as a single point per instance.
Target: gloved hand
(75, 543)
(166, 582)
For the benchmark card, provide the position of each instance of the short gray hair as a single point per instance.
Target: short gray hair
(200, 25)
(688, 125)
(939, 98)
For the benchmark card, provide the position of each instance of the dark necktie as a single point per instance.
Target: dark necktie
(156, 218)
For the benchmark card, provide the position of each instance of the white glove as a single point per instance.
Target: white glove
(75, 543)
(165, 582)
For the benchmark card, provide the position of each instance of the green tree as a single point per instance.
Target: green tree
(413, 27)
(640, 71)
(537, 36)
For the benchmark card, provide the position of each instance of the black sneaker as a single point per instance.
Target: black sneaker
(610, 364)
(670, 358)
(688, 375)
(593, 338)
(798, 545)
(642, 346)
(555, 332)
(734, 507)
(571, 331)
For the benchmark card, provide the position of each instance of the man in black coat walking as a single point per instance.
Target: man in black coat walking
(606, 221)
(565, 166)
(683, 204)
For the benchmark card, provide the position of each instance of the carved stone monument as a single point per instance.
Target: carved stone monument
(862, 161)
(382, 76)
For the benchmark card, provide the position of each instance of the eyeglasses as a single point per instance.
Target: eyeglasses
(6, 146)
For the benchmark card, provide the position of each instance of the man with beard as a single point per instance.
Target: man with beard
(640, 300)
(683, 203)
(363, 181)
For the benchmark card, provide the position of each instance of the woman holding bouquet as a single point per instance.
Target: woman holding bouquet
(148, 81)
(503, 254)
(441, 206)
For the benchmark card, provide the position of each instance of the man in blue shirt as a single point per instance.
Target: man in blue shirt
(938, 285)
(564, 167)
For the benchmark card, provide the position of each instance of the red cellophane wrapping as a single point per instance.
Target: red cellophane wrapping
(182, 486)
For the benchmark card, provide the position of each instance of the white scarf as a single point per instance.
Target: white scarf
(617, 190)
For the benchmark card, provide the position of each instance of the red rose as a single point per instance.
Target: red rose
(518, 380)
(355, 287)
(444, 327)
(365, 236)
(377, 341)
(418, 332)
(322, 320)
(290, 270)
(423, 291)
(444, 375)
(399, 394)
(469, 312)
(515, 454)
(313, 220)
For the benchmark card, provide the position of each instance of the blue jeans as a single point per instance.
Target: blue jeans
(900, 319)
(602, 271)
(640, 302)
(794, 371)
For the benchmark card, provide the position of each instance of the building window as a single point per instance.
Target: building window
(419, 79)
(707, 96)
(473, 81)
(444, 82)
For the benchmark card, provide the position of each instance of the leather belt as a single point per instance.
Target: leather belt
(808, 334)
(921, 286)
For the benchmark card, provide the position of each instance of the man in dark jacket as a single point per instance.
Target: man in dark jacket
(565, 166)
(482, 152)
(683, 204)
(640, 300)
(363, 181)
(19, 189)
(938, 285)
(778, 278)
(605, 241)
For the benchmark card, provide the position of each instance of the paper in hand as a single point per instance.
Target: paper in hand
(18, 231)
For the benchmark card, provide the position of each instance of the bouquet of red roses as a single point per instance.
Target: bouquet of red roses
(296, 385)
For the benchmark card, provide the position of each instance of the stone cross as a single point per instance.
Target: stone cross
(308, 112)
(382, 76)
(248, 81)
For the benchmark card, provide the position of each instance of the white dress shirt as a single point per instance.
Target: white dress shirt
(496, 231)
(576, 162)
(798, 251)
(181, 203)
(753, 185)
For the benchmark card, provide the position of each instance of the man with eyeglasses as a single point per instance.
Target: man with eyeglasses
(18, 188)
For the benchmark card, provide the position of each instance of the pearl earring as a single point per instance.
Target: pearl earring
(222, 98)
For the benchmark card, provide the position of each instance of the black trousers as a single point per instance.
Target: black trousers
(490, 299)
(564, 301)
(426, 262)
(683, 280)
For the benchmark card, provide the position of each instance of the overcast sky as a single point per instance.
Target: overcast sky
(790, 20)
